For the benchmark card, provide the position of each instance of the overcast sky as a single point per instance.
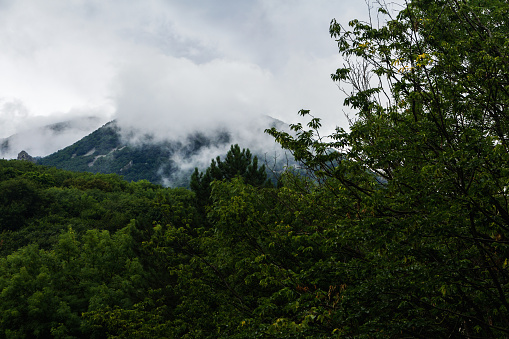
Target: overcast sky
(169, 65)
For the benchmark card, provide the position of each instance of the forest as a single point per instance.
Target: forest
(397, 227)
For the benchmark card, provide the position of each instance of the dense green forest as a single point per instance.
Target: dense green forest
(400, 228)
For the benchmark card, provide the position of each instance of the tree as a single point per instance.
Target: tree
(237, 163)
(426, 163)
(46, 293)
(19, 200)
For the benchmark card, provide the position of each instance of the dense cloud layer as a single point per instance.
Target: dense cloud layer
(168, 67)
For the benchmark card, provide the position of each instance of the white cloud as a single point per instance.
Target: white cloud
(41, 137)
(169, 66)
(173, 96)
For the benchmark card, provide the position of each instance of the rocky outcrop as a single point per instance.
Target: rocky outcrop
(25, 156)
(126, 167)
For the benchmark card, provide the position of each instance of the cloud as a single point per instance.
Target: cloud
(52, 62)
(11, 114)
(172, 97)
(48, 138)
(168, 66)
(249, 134)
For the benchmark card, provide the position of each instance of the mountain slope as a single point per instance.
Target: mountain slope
(105, 151)
(170, 163)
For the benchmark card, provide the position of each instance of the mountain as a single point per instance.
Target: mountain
(170, 163)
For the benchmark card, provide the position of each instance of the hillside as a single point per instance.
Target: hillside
(104, 151)
(169, 163)
(87, 255)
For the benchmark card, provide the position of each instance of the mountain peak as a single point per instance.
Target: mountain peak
(138, 155)
(23, 155)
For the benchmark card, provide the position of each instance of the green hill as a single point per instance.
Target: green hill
(168, 163)
(104, 151)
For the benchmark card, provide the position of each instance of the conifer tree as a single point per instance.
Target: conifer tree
(237, 163)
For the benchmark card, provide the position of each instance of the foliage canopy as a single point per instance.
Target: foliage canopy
(426, 162)
(400, 230)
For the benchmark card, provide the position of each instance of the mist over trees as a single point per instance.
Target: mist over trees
(399, 229)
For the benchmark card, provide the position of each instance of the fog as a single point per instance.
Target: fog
(168, 68)
(40, 138)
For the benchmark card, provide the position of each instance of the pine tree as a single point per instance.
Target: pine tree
(237, 163)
